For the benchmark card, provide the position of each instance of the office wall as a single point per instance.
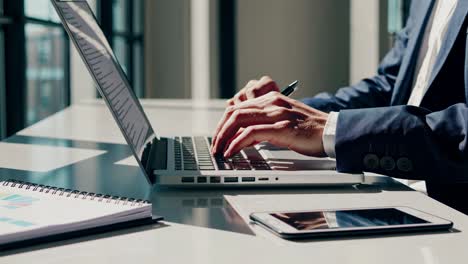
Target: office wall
(369, 37)
(167, 48)
(325, 44)
(307, 40)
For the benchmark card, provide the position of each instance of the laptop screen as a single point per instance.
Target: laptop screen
(83, 29)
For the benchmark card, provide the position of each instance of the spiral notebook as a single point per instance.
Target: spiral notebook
(36, 213)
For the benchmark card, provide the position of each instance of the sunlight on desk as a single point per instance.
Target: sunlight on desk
(41, 158)
(130, 161)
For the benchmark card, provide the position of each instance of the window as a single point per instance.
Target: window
(398, 11)
(36, 65)
(35, 72)
(122, 22)
(47, 61)
(397, 14)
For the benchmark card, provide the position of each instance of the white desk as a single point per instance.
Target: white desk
(200, 228)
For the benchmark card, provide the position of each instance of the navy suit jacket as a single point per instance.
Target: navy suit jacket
(378, 132)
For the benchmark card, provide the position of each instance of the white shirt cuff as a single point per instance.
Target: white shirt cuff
(329, 134)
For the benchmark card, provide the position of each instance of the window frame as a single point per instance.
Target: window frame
(4, 20)
(132, 39)
(15, 61)
(227, 37)
(66, 53)
(16, 64)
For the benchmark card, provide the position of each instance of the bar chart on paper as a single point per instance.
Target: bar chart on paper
(10, 202)
(15, 201)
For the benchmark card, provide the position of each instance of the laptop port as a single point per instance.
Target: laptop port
(248, 179)
(231, 179)
(202, 202)
(263, 179)
(188, 179)
(201, 179)
(188, 203)
(215, 179)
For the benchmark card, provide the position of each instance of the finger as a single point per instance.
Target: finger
(268, 100)
(241, 96)
(258, 103)
(227, 129)
(250, 84)
(261, 87)
(227, 114)
(234, 137)
(250, 117)
(273, 133)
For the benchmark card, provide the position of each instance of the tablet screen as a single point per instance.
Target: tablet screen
(347, 218)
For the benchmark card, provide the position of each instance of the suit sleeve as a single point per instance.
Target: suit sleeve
(371, 92)
(406, 142)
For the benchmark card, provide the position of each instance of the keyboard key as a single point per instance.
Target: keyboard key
(262, 168)
(238, 157)
(221, 160)
(191, 167)
(242, 166)
(259, 163)
(205, 163)
(194, 154)
(224, 166)
(252, 154)
(207, 167)
(234, 162)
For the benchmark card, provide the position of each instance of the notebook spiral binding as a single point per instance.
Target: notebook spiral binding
(74, 193)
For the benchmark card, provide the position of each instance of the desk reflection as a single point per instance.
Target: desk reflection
(198, 207)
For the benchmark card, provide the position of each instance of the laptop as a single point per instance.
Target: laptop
(183, 160)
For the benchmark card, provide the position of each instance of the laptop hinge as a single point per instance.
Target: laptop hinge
(157, 158)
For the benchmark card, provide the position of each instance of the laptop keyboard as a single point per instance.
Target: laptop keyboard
(194, 154)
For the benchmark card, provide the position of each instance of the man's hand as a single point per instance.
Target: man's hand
(254, 89)
(272, 117)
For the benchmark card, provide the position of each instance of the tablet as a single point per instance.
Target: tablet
(349, 222)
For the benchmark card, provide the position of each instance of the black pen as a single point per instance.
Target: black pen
(290, 89)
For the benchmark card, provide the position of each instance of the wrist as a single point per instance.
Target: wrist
(329, 134)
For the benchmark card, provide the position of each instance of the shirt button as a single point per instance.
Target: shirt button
(371, 161)
(405, 164)
(387, 163)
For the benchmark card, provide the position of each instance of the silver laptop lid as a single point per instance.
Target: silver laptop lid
(88, 38)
